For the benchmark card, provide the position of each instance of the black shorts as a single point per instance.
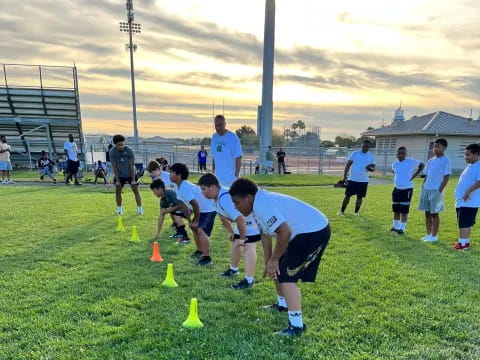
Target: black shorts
(72, 166)
(179, 213)
(356, 188)
(206, 222)
(302, 257)
(125, 180)
(401, 199)
(203, 166)
(250, 238)
(466, 216)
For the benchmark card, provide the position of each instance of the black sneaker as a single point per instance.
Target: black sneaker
(41, 177)
(196, 255)
(276, 308)
(244, 284)
(400, 232)
(78, 184)
(393, 230)
(175, 236)
(229, 272)
(292, 330)
(54, 181)
(205, 260)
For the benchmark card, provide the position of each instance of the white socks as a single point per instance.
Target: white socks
(119, 210)
(139, 210)
(233, 268)
(403, 225)
(281, 301)
(295, 318)
(396, 224)
(463, 241)
(249, 279)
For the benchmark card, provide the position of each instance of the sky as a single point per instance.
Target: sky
(344, 64)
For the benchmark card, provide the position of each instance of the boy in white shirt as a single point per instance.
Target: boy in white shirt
(360, 163)
(467, 196)
(226, 151)
(202, 208)
(404, 170)
(244, 234)
(302, 234)
(437, 173)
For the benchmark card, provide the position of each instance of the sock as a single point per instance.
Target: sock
(434, 237)
(233, 268)
(119, 209)
(295, 318)
(281, 301)
(396, 224)
(249, 279)
(139, 208)
(463, 241)
(403, 225)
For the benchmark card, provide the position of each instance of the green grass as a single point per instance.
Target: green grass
(71, 288)
(263, 180)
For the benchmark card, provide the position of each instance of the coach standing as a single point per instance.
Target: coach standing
(227, 153)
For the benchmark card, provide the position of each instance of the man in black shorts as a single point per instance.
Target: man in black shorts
(302, 234)
(123, 164)
(359, 164)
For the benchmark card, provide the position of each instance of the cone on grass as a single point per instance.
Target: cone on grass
(134, 237)
(156, 257)
(169, 280)
(120, 226)
(193, 321)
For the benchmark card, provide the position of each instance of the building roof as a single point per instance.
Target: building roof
(437, 123)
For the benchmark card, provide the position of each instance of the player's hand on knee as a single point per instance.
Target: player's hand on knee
(273, 269)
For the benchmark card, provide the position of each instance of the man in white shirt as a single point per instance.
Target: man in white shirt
(359, 164)
(404, 170)
(227, 153)
(467, 196)
(202, 208)
(245, 233)
(73, 162)
(437, 173)
(302, 234)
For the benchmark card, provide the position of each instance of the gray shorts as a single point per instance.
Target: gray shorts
(431, 201)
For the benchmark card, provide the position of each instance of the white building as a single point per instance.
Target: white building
(419, 133)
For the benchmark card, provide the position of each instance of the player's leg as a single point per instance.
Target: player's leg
(138, 199)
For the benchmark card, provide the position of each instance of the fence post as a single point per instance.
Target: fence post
(250, 167)
(385, 159)
(320, 162)
(298, 162)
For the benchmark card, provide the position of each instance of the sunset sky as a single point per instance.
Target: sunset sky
(342, 64)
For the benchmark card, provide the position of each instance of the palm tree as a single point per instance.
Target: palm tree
(301, 126)
(294, 132)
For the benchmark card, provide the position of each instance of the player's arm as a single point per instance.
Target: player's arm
(196, 214)
(347, 169)
(115, 172)
(283, 236)
(471, 189)
(66, 153)
(420, 168)
(238, 165)
(228, 226)
(267, 251)
(444, 182)
(213, 165)
(242, 230)
(159, 224)
(131, 164)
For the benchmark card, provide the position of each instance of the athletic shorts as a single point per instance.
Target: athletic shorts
(466, 216)
(125, 180)
(401, 200)
(206, 222)
(302, 257)
(431, 201)
(5, 165)
(72, 166)
(179, 213)
(250, 238)
(356, 188)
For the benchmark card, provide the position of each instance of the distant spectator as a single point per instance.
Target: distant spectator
(100, 172)
(73, 162)
(281, 160)
(256, 164)
(202, 159)
(123, 163)
(108, 163)
(269, 157)
(5, 164)
(45, 167)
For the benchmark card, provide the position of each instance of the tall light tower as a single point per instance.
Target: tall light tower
(132, 28)
(265, 111)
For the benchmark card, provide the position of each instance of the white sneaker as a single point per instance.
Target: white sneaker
(11, 182)
(119, 211)
(355, 214)
(140, 210)
(425, 237)
(4, 182)
(341, 213)
(431, 239)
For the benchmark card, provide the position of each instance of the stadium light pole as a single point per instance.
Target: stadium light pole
(132, 28)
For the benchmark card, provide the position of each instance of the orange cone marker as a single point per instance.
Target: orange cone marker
(156, 257)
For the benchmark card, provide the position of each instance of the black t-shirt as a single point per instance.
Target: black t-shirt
(107, 156)
(281, 156)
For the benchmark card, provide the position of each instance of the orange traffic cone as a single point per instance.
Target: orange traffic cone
(156, 253)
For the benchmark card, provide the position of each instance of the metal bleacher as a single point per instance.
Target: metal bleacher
(39, 107)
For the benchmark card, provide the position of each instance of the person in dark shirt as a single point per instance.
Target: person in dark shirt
(45, 166)
(202, 159)
(281, 160)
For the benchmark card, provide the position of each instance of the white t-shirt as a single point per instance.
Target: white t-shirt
(72, 150)
(436, 169)
(270, 210)
(166, 179)
(5, 156)
(403, 171)
(225, 149)
(187, 192)
(469, 176)
(358, 171)
(225, 207)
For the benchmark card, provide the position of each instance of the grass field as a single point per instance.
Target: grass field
(71, 288)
